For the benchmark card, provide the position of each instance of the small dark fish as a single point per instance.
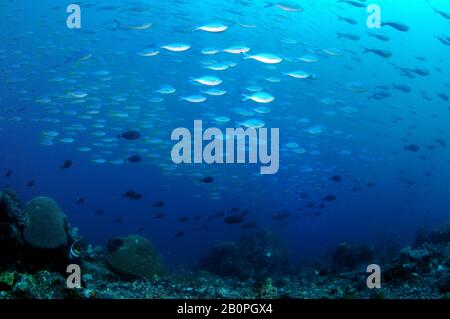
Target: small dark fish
(354, 3)
(421, 72)
(349, 36)
(412, 148)
(203, 227)
(118, 220)
(249, 225)
(158, 204)
(158, 216)
(235, 209)
(79, 200)
(183, 219)
(370, 184)
(402, 87)
(444, 40)
(67, 164)
(207, 180)
(281, 216)
(99, 212)
(233, 219)
(379, 36)
(330, 198)
(179, 234)
(132, 195)
(30, 183)
(441, 142)
(336, 178)
(379, 52)
(443, 96)
(134, 159)
(304, 195)
(130, 135)
(397, 26)
(8, 173)
(441, 13)
(348, 20)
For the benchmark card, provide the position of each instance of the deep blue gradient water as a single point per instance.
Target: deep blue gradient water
(92, 84)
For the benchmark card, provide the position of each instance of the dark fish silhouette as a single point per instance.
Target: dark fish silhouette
(379, 52)
(281, 216)
(30, 183)
(233, 219)
(158, 216)
(330, 198)
(336, 178)
(130, 135)
(348, 20)
(158, 204)
(397, 26)
(134, 159)
(353, 3)
(183, 219)
(207, 180)
(179, 234)
(99, 212)
(8, 173)
(67, 164)
(118, 220)
(132, 195)
(80, 200)
(412, 148)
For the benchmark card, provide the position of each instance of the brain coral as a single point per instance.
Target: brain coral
(46, 224)
(134, 255)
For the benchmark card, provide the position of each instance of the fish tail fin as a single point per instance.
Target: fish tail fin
(118, 24)
(118, 136)
(269, 4)
(245, 56)
(245, 97)
(366, 50)
(339, 35)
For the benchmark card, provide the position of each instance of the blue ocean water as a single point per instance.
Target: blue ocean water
(358, 115)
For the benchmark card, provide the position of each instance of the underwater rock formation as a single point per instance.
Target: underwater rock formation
(46, 224)
(134, 255)
(11, 227)
(37, 237)
(347, 256)
(253, 256)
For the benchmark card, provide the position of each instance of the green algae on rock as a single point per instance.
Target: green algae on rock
(134, 255)
(46, 224)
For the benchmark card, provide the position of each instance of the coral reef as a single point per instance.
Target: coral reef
(255, 266)
(252, 256)
(134, 255)
(46, 224)
(348, 257)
